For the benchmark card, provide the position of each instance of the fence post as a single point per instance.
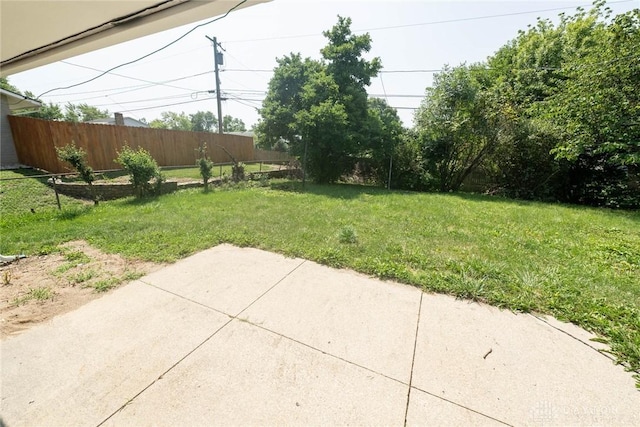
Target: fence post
(55, 189)
(390, 167)
(304, 165)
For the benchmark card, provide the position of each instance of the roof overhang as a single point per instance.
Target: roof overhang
(19, 102)
(39, 32)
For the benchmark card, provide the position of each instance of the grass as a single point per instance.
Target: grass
(19, 196)
(82, 276)
(194, 172)
(576, 263)
(347, 235)
(76, 257)
(105, 284)
(38, 294)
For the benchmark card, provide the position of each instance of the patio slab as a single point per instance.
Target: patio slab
(348, 315)
(518, 369)
(427, 410)
(82, 366)
(225, 278)
(245, 375)
(302, 344)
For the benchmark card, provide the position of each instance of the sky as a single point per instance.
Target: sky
(413, 39)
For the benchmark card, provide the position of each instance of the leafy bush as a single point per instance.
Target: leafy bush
(141, 168)
(408, 171)
(77, 158)
(205, 164)
(522, 166)
(237, 172)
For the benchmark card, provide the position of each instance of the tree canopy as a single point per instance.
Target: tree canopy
(553, 114)
(319, 109)
(83, 113)
(233, 124)
(455, 127)
(173, 121)
(201, 121)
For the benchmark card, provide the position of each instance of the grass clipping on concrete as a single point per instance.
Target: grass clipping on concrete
(576, 263)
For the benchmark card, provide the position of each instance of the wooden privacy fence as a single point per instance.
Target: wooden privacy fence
(36, 139)
(271, 156)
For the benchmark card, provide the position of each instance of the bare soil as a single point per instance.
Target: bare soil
(35, 289)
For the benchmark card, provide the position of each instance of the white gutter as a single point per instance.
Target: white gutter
(19, 102)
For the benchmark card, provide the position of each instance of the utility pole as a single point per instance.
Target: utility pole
(217, 60)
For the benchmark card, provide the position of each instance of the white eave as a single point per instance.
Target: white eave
(38, 32)
(19, 102)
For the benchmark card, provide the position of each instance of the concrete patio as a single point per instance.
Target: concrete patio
(234, 336)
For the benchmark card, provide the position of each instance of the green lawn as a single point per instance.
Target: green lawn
(194, 172)
(19, 196)
(579, 264)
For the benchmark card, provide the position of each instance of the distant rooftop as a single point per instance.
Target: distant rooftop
(128, 121)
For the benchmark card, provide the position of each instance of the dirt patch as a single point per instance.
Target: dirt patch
(35, 289)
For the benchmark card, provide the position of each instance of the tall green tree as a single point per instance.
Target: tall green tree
(384, 134)
(284, 99)
(566, 100)
(320, 129)
(352, 73)
(456, 127)
(321, 107)
(597, 112)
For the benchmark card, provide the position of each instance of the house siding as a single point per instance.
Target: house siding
(8, 155)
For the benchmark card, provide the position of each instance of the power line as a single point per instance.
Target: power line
(447, 21)
(237, 60)
(476, 18)
(123, 76)
(434, 70)
(132, 88)
(162, 58)
(247, 69)
(166, 105)
(376, 95)
(139, 87)
(233, 97)
(244, 103)
(386, 97)
(161, 98)
(247, 90)
(151, 53)
(99, 90)
(116, 102)
(244, 99)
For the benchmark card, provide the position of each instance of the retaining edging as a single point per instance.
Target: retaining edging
(119, 190)
(105, 191)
